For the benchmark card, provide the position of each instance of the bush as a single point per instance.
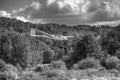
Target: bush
(42, 67)
(47, 56)
(111, 62)
(87, 63)
(10, 73)
(58, 64)
(20, 69)
(2, 64)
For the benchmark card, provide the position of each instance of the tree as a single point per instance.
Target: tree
(86, 47)
(21, 48)
(2, 64)
(5, 47)
(14, 48)
(110, 42)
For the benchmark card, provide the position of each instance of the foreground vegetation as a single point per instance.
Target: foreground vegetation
(93, 53)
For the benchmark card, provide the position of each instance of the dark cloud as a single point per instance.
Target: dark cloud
(95, 5)
(70, 11)
(10, 5)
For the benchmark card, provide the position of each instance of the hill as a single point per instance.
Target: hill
(91, 47)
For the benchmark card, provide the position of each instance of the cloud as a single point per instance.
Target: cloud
(71, 12)
(22, 18)
(111, 23)
(4, 14)
(60, 8)
(57, 11)
(28, 10)
(22, 14)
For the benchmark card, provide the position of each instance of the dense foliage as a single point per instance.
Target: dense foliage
(112, 62)
(87, 63)
(20, 49)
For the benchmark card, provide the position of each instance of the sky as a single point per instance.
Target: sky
(69, 12)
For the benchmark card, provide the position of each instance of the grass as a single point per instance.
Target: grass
(94, 74)
(64, 74)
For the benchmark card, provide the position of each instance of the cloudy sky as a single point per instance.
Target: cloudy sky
(70, 12)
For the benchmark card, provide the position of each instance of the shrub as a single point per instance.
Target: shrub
(2, 64)
(20, 69)
(111, 62)
(10, 73)
(58, 64)
(47, 57)
(87, 63)
(42, 67)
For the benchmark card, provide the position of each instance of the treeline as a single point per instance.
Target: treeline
(91, 43)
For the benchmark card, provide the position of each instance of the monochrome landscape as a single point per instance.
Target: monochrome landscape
(59, 39)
